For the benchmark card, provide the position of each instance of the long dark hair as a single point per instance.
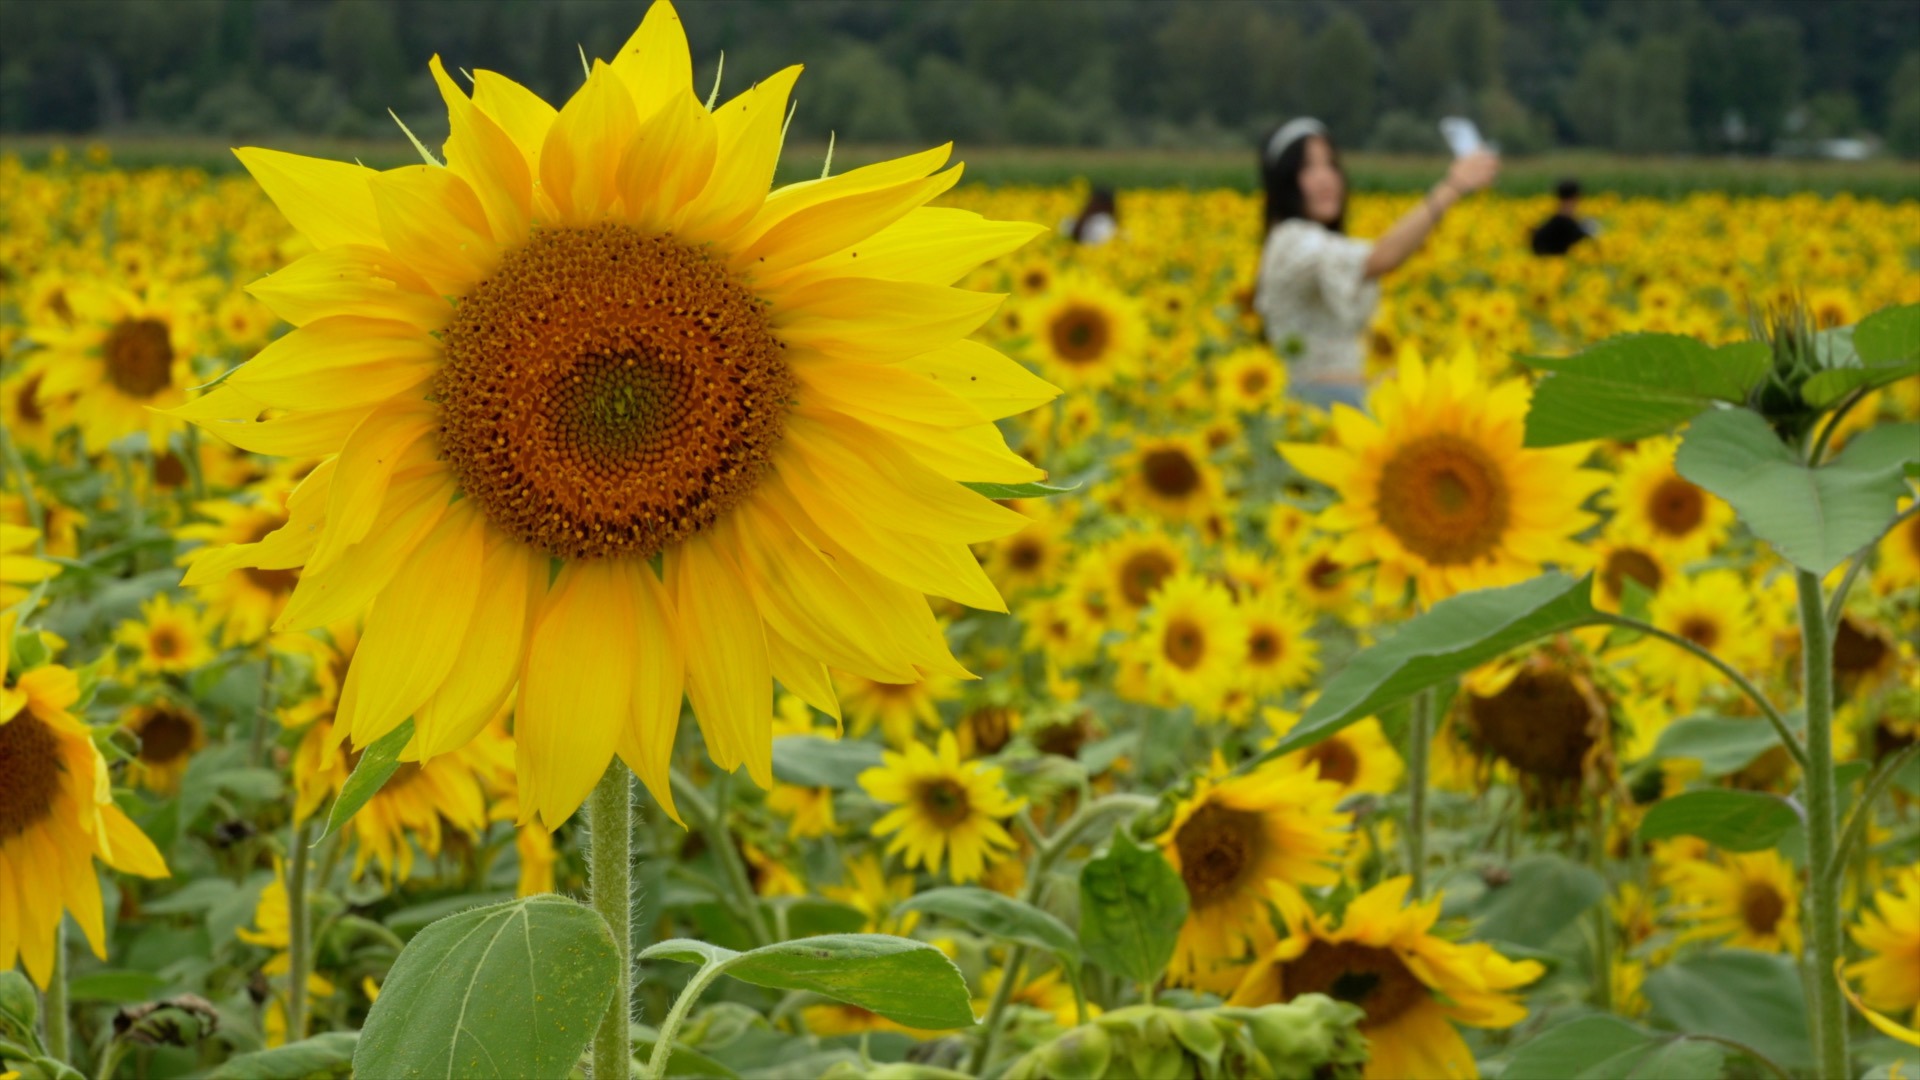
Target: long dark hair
(1281, 178)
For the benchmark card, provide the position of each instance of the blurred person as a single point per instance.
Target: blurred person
(1317, 288)
(1097, 222)
(1558, 234)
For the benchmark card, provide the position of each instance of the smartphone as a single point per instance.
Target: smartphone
(1462, 136)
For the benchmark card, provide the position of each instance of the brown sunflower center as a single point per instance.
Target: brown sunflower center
(1761, 907)
(1080, 334)
(166, 735)
(607, 392)
(1676, 507)
(29, 773)
(1912, 529)
(1184, 643)
(1025, 553)
(1324, 574)
(1218, 846)
(1253, 381)
(1625, 563)
(945, 801)
(1375, 979)
(169, 471)
(1141, 574)
(1335, 760)
(165, 643)
(1542, 723)
(1700, 630)
(992, 727)
(139, 356)
(1857, 649)
(1445, 499)
(1170, 473)
(26, 400)
(1265, 645)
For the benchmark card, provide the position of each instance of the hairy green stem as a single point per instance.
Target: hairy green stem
(610, 887)
(1767, 708)
(56, 1003)
(710, 818)
(299, 947)
(656, 1067)
(1419, 743)
(1823, 884)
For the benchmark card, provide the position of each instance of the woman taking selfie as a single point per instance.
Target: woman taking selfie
(1317, 287)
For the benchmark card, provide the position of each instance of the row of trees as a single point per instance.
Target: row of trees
(1631, 75)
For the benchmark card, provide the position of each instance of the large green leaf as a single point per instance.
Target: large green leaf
(1456, 635)
(1815, 517)
(813, 761)
(1636, 385)
(513, 990)
(1755, 999)
(1721, 746)
(1825, 389)
(1733, 820)
(1888, 335)
(377, 764)
(327, 1055)
(1883, 348)
(1543, 896)
(1132, 903)
(117, 987)
(990, 913)
(1608, 1048)
(909, 982)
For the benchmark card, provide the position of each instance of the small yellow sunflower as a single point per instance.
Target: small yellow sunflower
(122, 360)
(170, 734)
(243, 604)
(272, 929)
(1658, 510)
(809, 811)
(1279, 654)
(1714, 610)
(1128, 572)
(942, 807)
(168, 638)
(1413, 985)
(1249, 380)
(1033, 558)
(1890, 974)
(869, 889)
(1170, 476)
(1745, 901)
(1086, 333)
(898, 709)
(1358, 757)
(1897, 567)
(1193, 643)
(1437, 488)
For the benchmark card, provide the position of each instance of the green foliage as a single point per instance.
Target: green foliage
(322, 1057)
(1721, 746)
(1815, 517)
(1132, 903)
(1636, 385)
(1311, 1037)
(377, 765)
(1725, 818)
(1755, 999)
(116, 987)
(1544, 895)
(813, 761)
(503, 991)
(1003, 917)
(909, 982)
(1608, 1048)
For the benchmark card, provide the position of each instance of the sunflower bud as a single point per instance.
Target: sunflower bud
(1310, 1038)
(1788, 330)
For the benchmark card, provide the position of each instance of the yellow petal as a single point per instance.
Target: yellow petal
(1885, 1025)
(728, 678)
(576, 692)
(328, 202)
(282, 549)
(802, 675)
(655, 63)
(481, 152)
(890, 389)
(352, 279)
(837, 224)
(978, 453)
(879, 321)
(433, 220)
(933, 245)
(133, 853)
(749, 130)
(337, 363)
(414, 504)
(391, 438)
(513, 578)
(519, 112)
(991, 382)
(584, 149)
(659, 667)
(854, 457)
(667, 163)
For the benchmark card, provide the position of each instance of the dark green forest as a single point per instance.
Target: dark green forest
(1636, 76)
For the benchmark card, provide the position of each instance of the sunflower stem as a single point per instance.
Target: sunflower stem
(56, 1005)
(257, 743)
(1419, 738)
(1862, 815)
(610, 888)
(1603, 917)
(299, 951)
(720, 838)
(1823, 884)
(1767, 708)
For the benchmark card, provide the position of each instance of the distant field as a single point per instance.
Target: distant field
(1659, 177)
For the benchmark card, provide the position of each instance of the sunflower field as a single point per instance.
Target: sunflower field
(564, 609)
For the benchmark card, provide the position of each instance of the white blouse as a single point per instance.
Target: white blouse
(1316, 300)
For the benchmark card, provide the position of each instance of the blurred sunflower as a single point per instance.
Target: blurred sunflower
(511, 461)
(1279, 655)
(1249, 380)
(245, 604)
(1128, 572)
(1239, 844)
(1032, 558)
(1898, 565)
(1413, 985)
(898, 709)
(1193, 642)
(1714, 610)
(869, 889)
(1616, 562)
(122, 361)
(1542, 713)
(168, 638)
(1087, 334)
(1743, 901)
(1358, 757)
(272, 930)
(1890, 974)
(1437, 488)
(1170, 476)
(942, 808)
(1661, 511)
(170, 734)
(56, 816)
(20, 569)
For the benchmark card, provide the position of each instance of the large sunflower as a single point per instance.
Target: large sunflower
(591, 343)
(56, 816)
(1413, 985)
(942, 808)
(1436, 487)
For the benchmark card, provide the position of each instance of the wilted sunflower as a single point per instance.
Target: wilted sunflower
(170, 734)
(1656, 508)
(1413, 985)
(1743, 901)
(1087, 334)
(1545, 715)
(122, 357)
(1243, 843)
(943, 807)
(591, 342)
(1437, 488)
(56, 816)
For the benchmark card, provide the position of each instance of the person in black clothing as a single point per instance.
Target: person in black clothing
(1559, 233)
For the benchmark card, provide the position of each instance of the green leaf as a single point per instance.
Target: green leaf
(807, 916)
(815, 761)
(377, 764)
(1889, 335)
(990, 913)
(1607, 1048)
(1815, 517)
(1824, 390)
(1132, 903)
(1727, 819)
(909, 982)
(513, 990)
(1636, 385)
(1019, 491)
(1721, 746)
(685, 1061)
(1544, 896)
(1455, 636)
(1753, 998)
(328, 1055)
(116, 987)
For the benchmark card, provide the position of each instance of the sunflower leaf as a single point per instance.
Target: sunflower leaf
(326, 1054)
(378, 763)
(1003, 917)
(1455, 636)
(1636, 385)
(1756, 999)
(1815, 517)
(509, 990)
(909, 982)
(1132, 903)
(1727, 819)
(1593, 1047)
(1018, 491)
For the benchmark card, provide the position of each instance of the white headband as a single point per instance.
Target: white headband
(1291, 132)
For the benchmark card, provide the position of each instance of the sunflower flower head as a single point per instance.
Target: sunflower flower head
(943, 808)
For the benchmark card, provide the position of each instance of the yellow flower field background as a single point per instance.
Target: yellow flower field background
(1427, 741)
